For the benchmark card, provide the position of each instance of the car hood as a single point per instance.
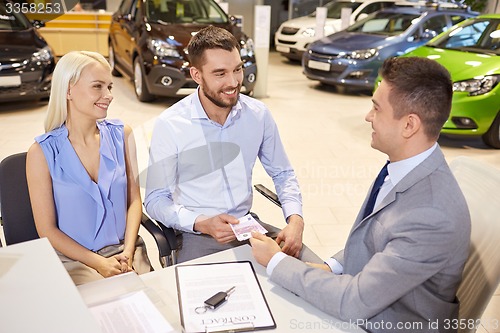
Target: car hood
(17, 45)
(349, 41)
(308, 22)
(461, 65)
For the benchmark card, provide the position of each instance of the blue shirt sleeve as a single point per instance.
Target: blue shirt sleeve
(275, 161)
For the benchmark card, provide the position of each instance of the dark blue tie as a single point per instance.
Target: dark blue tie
(375, 189)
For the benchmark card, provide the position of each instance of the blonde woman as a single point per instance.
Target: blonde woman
(82, 175)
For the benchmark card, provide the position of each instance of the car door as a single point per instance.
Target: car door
(124, 26)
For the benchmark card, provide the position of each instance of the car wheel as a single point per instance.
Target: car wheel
(141, 90)
(492, 137)
(112, 61)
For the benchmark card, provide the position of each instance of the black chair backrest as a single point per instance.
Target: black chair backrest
(17, 216)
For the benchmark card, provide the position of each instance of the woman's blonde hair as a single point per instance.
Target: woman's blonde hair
(66, 74)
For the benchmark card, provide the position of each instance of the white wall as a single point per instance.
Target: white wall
(493, 7)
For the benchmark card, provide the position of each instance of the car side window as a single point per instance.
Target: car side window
(125, 7)
(435, 25)
(467, 36)
(373, 7)
(135, 10)
(455, 19)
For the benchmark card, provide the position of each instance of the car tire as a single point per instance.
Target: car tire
(140, 87)
(492, 137)
(112, 61)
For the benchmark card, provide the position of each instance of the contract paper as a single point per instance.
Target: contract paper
(132, 313)
(245, 309)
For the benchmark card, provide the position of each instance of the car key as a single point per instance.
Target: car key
(218, 299)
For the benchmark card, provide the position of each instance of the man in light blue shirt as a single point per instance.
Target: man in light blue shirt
(203, 151)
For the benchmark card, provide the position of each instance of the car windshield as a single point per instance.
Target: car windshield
(382, 23)
(185, 11)
(334, 8)
(477, 35)
(10, 20)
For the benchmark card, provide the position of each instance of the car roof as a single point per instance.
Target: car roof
(425, 9)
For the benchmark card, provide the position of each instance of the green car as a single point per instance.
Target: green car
(471, 53)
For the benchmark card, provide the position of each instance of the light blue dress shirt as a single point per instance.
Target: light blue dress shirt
(93, 214)
(200, 167)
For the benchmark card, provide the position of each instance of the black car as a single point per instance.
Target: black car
(26, 60)
(148, 40)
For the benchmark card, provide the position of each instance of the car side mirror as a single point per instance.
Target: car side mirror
(428, 34)
(236, 20)
(38, 24)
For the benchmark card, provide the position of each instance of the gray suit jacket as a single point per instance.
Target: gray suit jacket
(402, 264)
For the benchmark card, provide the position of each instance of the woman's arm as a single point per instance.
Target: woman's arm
(42, 203)
(134, 203)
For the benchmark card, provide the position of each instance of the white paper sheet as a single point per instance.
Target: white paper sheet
(246, 306)
(131, 313)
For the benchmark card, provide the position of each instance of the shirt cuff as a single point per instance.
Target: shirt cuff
(291, 208)
(187, 219)
(275, 260)
(335, 266)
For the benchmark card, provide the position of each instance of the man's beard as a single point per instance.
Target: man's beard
(214, 97)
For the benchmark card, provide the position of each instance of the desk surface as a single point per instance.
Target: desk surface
(291, 313)
(36, 293)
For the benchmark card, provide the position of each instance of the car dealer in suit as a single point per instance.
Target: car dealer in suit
(403, 260)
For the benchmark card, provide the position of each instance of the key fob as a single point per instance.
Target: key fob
(216, 300)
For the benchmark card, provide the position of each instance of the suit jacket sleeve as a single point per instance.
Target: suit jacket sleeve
(339, 256)
(412, 255)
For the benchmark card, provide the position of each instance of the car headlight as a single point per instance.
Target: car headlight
(42, 55)
(359, 54)
(309, 32)
(247, 49)
(477, 86)
(163, 49)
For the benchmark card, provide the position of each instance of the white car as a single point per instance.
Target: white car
(293, 36)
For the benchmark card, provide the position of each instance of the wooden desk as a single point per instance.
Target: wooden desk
(291, 313)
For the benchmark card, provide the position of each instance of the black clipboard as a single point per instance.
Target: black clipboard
(228, 317)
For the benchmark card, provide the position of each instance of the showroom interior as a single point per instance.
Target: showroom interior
(322, 127)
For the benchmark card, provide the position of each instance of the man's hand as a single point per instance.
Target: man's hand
(263, 248)
(218, 227)
(291, 235)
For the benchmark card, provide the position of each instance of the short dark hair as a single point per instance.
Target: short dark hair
(210, 38)
(420, 86)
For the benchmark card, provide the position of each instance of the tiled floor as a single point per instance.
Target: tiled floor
(324, 132)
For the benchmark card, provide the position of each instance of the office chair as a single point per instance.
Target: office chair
(270, 195)
(17, 216)
(480, 184)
